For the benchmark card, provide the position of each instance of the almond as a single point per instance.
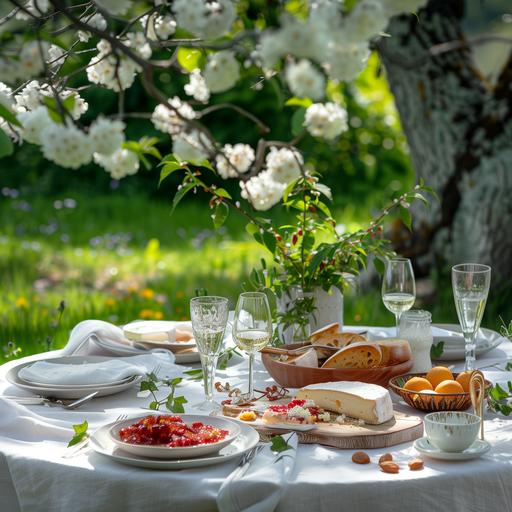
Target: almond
(387, 457)
(389, 467)
(416, 465)
(361, 458)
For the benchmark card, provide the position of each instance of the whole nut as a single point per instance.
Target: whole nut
(389, 467)
(387, 457)
(361, 458)
(416, 465)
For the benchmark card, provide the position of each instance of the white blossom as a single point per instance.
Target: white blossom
(138, 42)
(95, 21)
(114, 6)
(270, 49)
(393, 7)
(34, 123)
(326, 120)
(106, 135)
(346, 60)
(34, 7)
(56, 56)
(197, 87)
(365, 20)
(121, 163)
(191, 146)
(240, 157)
(204, 18)
(222, 71)
(31, 63)
(158, 27)
(167, 121)
(303, 38)
(325, 14)
(66, 145)
(305, 81)
(262, 191)
(6, 96)
(284, 164)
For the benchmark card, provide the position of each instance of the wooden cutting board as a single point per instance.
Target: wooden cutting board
(403, 428)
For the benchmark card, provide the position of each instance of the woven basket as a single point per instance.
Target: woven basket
(428, 402)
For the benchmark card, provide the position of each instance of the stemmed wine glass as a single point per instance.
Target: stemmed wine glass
(252, 328)
(470, 283)
(398, 287)
(209, 315)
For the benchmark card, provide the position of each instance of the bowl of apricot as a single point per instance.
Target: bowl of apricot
(437, 390)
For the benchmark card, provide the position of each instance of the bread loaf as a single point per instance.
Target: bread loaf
(326, 330)
(394, 351)
(356, 355)
(331, 337)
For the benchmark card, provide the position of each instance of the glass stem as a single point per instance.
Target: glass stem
(251, 383)
(469, 338)
(397, 318)
(209, 363)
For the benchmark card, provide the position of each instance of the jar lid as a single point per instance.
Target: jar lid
(417, 314)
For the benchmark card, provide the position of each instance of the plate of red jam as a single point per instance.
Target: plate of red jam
(165, 436)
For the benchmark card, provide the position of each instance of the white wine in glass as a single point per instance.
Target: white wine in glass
(470, 282)
(398, 287)
(252, 328)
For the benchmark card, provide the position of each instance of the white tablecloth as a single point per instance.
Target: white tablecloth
(323, 479)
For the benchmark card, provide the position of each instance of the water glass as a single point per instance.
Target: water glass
(209, 315)
(252, 328)
(470, 283)
(416, 328)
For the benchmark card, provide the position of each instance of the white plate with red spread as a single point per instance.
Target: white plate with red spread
(167, 436)
(102, 443)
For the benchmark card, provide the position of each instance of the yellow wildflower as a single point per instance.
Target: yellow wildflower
(21, 302)
(147, 293)
(110, 301)
(158, 315)
(146, 314)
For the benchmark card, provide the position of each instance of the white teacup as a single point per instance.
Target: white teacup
(451, 431)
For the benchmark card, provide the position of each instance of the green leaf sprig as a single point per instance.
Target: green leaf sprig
(80, 434)
(499, 399)
(172, 402)
(224, 358)
(280, 444)
(436, 350)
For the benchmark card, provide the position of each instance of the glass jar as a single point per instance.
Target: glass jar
(415, 327)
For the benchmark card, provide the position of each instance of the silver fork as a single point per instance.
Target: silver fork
(83, 446)
(52, 402)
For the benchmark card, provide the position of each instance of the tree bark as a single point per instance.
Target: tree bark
(459, 130)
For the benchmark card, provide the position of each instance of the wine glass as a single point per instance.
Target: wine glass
(470, 283)
(209, 315)
(252, 328)
(398, 287)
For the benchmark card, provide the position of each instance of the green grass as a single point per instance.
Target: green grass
(120, 258)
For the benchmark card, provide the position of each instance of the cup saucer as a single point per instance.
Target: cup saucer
(477, 449)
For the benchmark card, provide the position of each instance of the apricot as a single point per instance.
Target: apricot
(437, 374)
(449, 386)
(418, 384)
(463, 379)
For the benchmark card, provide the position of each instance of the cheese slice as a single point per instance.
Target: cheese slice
(360, 400)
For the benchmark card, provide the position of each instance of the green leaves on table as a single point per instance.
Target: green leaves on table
(280, 444)
(499, 399)
(80, 433)
(172, 402)
(436, 350)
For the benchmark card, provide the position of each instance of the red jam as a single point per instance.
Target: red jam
(283, 409)
(171, 431)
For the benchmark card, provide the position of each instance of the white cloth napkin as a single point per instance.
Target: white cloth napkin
(115, 369)
(259, 489)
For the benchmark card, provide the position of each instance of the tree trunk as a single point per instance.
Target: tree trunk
(459, 130)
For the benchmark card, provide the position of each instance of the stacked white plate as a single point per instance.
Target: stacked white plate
(69, 391)
(241, 438)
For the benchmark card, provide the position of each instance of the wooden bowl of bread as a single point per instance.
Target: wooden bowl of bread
(330, 355)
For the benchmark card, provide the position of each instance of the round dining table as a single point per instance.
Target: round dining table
(36, 474)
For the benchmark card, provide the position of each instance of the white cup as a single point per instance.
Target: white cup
(451, 431)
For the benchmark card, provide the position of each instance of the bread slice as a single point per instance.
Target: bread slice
(394, 351)
(326, 330)
(308, 358)
(356, 355)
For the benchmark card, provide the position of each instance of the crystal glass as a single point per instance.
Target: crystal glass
(209, 315)
(415, 327)
(398, 287)
(252, 328)
(470, 283)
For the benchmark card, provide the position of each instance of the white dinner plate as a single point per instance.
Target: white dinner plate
(134, 331)
(181, 452)
(72, 392)
(102, 443)
(477, 449)
(454, 350)
(67, 386)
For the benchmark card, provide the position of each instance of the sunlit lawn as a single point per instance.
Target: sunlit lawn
(118, 259)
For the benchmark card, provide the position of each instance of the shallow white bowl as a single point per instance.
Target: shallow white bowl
(451, 431)
(181, 452)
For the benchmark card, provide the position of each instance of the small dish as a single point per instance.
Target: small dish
(477, 449)
(451, 431)
(155, 333)
(166, 452)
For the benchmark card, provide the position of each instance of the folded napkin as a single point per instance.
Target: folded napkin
(113, 370)
(259, 489)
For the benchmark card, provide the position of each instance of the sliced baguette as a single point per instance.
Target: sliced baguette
(326, 330)
(355, 355)
(394, 351)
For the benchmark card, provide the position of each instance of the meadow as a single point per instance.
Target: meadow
(119, 258)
